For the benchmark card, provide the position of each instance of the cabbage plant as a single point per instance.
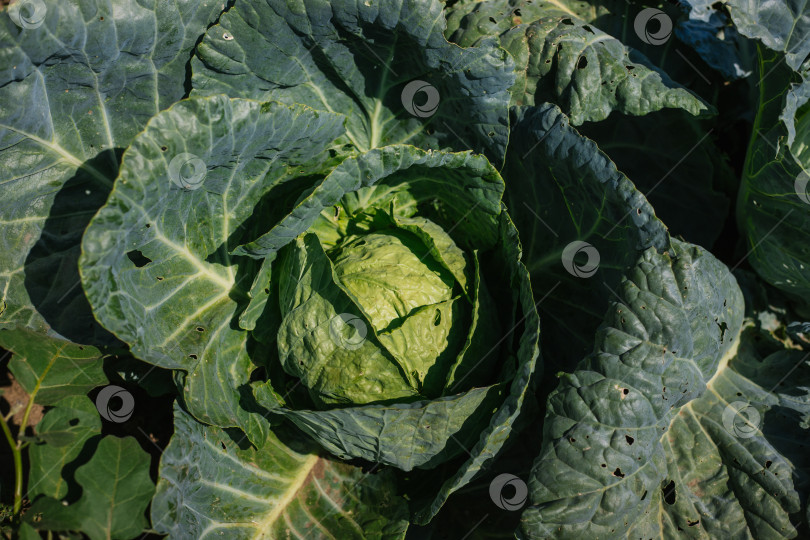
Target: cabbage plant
(404, 269)
(380, 289)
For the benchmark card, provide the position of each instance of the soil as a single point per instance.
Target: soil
(17, 399)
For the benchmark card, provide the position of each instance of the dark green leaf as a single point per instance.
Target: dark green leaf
(75, 90)
(61, 436)
(50, 369)
(565, 193)
(774, 199)
(608, 425)
(156, 262)
(385, 65)
(672, 158)
(564, 59)
(116, 489)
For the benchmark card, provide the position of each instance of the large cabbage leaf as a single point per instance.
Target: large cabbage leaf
(581, 223)
(156, 263)
(608, 426)
(706, 441)
(211, 484)
(774, 201)
(782, 25)
(563, 57)
(681, 171)
(384, 64)
(74, 91)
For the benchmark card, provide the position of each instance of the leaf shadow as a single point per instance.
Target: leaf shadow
(52, 278)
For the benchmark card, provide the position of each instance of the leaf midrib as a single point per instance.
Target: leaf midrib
(66, 156)
(291, 493)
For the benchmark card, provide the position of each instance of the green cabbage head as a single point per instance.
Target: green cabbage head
(399, 306)
(374, 299)
(380, 303)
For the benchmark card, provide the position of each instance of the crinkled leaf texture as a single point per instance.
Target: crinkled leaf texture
(561, 57)
(385, 65)
(628, 421)
(156, 265)
(212, 485)
(74, 92)
(563, 189)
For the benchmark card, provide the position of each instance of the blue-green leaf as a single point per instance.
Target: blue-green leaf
(385, 65)
(74, 91)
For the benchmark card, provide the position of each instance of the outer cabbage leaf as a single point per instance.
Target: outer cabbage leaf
(671, 157)
(210, 484)
(563, 189)
(73, 92)
(737, 462)
(611, 424)
(773, 208)
(156, 265)
(520, 402)
(782, 25)
(366, 60)
(469, 184)
(563, 58)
